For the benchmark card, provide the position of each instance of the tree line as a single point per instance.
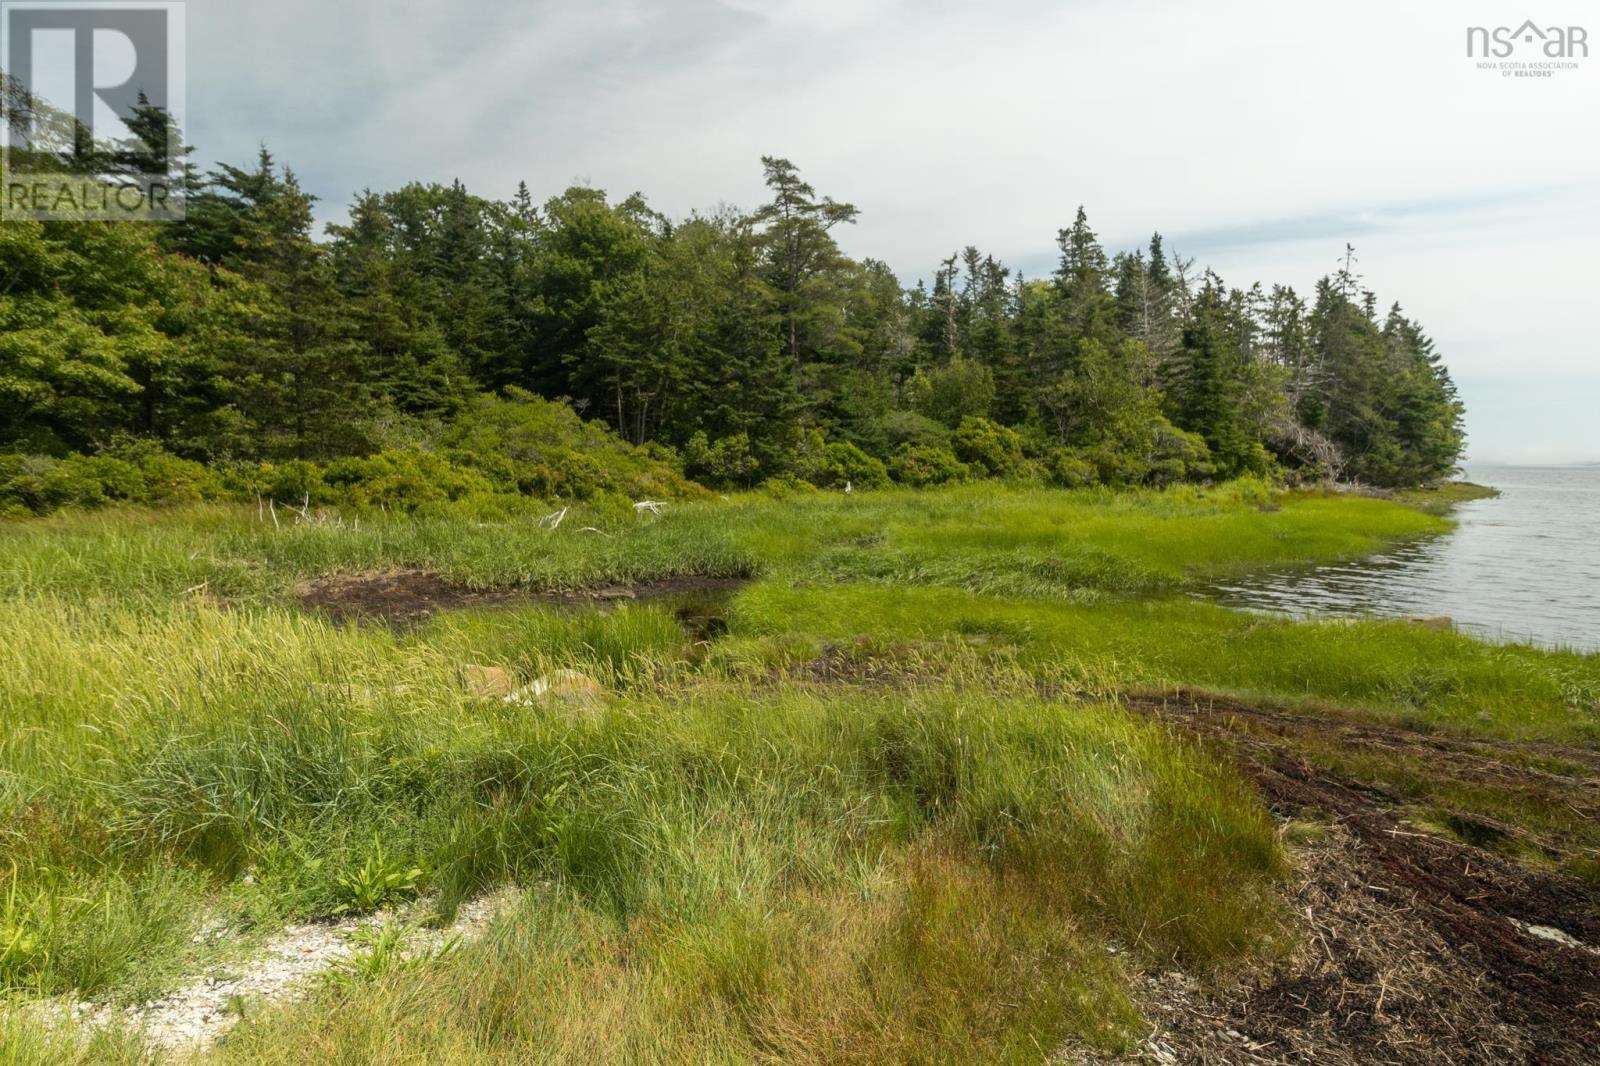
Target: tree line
(740, 346)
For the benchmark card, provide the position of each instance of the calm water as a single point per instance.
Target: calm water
(1524, 566)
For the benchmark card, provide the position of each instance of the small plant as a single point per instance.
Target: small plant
(19, 947)
(378, 951)
(378, 881)
(383, 950)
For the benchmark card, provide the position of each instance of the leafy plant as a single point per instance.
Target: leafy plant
(378, 881)
(383, 950)
(20, 953)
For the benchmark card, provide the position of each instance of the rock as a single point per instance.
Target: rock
(560, 686)
(489, 682)
(1439, 623)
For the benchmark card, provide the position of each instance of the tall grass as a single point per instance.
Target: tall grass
(984, 537)
(731, 859)
(1398, 670)
(808, 879)
(744, 871)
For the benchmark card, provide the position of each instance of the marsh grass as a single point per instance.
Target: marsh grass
(737, 857)
(739, 841)
(834, 880)
(985, 537)
(1391, 669)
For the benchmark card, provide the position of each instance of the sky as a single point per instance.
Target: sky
(1257, 137)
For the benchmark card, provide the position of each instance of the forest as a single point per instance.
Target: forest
(439, 346)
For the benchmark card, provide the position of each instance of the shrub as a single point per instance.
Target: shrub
(1176, 455)
(104, 478)
(1067, 469)
(995, 449)
(727, 461)
(403, 481)
(166, 478)
(536, 447)
(783, 487)
(144, 474)
(839, 464)
(920, 466)
(34, 483)
(1154, 452)
(295, 481)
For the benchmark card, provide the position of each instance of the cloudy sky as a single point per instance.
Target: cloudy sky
(1259, 137)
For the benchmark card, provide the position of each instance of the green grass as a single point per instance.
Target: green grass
(1019, 541)
(736, 858)
(247, 765)
(1391, 669)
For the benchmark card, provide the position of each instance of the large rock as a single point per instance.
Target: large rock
(488, 682)
(560, 688)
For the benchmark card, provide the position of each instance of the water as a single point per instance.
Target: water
(1524, 566)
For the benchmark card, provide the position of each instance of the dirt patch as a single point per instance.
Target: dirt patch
(408, 597)
(1417, 948)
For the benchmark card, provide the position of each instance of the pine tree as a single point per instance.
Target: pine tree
(800, 260)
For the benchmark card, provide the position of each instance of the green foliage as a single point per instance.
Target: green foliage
(1068, 470)
(901, 428)
(923, 466)
(533, 446)
(142, 474)
(725, 462)
(839, 464)
(429, 335)
(379, 881)
(952, 393)
(992, 448)
(403, 481)
(500, 452)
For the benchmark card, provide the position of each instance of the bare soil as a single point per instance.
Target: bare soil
(1416, 947)
(408, 597)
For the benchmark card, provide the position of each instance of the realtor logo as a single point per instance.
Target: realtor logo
(93, 100)
(1554, 42)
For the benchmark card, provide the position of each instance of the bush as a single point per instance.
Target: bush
(920, 467)
(536, 447)
(838, 464)
(167, 478)
(1155, 452)
(403, 481)
(782, 488)
(296, 481)
(991, 447)
(1177, 455)
(727, 462)
(1067, 469)
(39, 484)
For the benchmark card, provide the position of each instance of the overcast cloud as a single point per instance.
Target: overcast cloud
(1258, 136)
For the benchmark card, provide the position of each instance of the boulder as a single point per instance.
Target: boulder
(1441, 623)
(488, 682)
(560, 687)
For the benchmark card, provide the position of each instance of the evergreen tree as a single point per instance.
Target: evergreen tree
(1206, 394)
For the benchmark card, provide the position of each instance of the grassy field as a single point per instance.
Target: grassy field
(894, 812)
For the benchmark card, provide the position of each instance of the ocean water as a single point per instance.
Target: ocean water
(1524, 566)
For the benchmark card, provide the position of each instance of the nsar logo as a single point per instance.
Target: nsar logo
(1553, 42)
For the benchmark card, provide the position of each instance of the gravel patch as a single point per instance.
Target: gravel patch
(198, 1014)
